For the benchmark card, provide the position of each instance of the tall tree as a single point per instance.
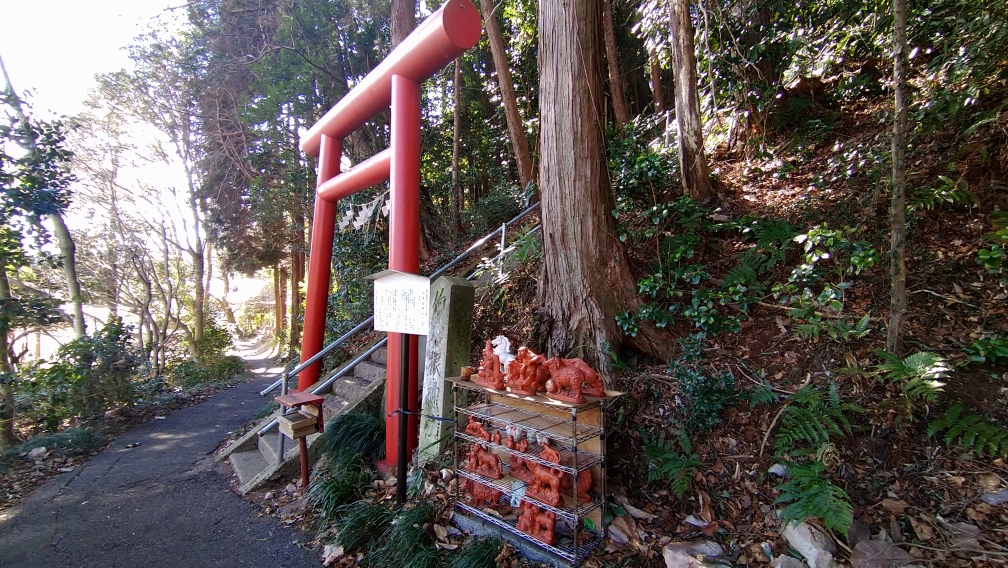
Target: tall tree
(403, 19)
(162, 91)
(612, 59)
(68, 250)
(586, 277)
(692, 162)
(897, 209)
(31, 186)
(456, 191)
(509, 97)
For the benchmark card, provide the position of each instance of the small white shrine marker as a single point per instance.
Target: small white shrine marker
(401, 302)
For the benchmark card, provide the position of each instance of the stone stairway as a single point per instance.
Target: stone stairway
(255, 458)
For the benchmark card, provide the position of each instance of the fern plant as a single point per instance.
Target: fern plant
(812, 419)
(921, 375)
(809, 493)
(971, 432)
(671, 460)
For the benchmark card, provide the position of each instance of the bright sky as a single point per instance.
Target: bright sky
(54, 48)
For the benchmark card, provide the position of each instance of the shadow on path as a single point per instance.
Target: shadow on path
(156, 497)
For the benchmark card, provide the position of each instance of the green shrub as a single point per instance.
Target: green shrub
(703, 396)
(993, 349)
(90, 375)
(921, 375)
(492, 210)
(812, 419)
(190, 373)
(971, 432)
(362, 524)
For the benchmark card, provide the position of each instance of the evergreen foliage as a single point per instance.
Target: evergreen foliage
(362, 524)
(921, 375)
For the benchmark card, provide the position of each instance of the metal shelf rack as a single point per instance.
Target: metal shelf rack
(576, 431)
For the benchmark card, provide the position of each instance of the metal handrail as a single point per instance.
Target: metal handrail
(362, 325)
(325, 351)
(317, 388)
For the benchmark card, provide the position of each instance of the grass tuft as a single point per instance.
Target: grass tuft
(361, 524)
(478, 553)
(406, 543)
(337, 486)
(354, 434)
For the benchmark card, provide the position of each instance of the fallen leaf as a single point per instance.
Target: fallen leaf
(878, 554)
(894, 507)
(923, 528)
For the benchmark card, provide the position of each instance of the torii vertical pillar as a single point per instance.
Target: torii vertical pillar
(320, 262)
(404, 256)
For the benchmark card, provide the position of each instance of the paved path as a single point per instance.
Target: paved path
(165, 502)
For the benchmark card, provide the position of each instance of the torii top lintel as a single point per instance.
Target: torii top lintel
(442, 37)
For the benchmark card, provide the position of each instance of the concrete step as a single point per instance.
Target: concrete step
(333, 405)
(350, 388)
(248, 464)
(380, 356)
(369, 371)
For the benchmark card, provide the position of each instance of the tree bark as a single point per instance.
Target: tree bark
(7, 438)
(693, 164)
(656, 84)
(509, 98)
(456, 194)
(297, 275)
(612, 58)
(403, 20)
(68, 252)
(897, 209)
(586, 278)
(278, 313)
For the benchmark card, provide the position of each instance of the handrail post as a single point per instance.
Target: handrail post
(280, 435)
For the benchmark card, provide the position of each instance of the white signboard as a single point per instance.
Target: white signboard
(401, 302)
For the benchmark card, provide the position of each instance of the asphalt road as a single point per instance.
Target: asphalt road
(164, 502)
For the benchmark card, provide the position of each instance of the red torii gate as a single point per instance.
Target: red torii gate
(441, 38)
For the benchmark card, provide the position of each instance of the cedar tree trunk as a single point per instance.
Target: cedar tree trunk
(693, 164)
(456, 193)
(897, 209)
(586, 278)
(516, 130)
(612, 58)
